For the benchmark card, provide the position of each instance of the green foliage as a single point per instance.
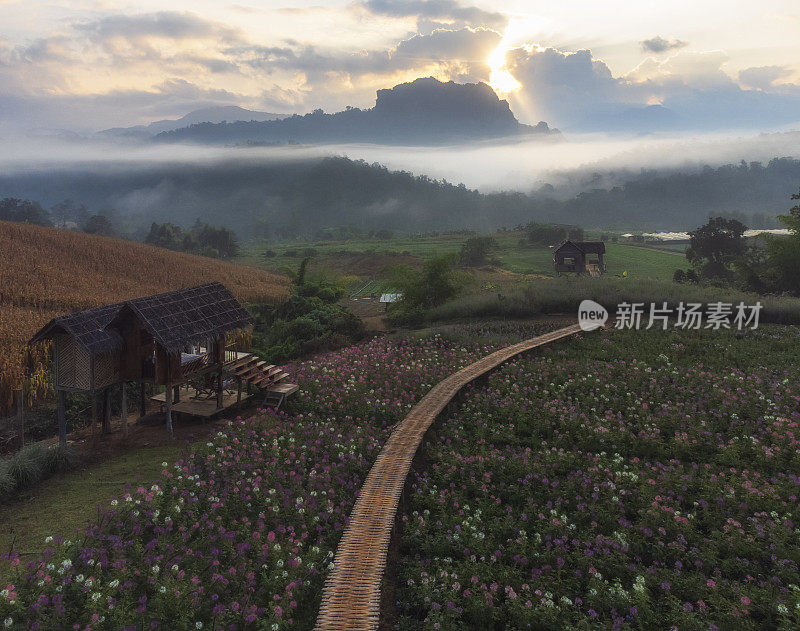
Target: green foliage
(715, 245)
(783, 254)
(434, 285)
(301, 272)
(24, 211)
(99, 224)
(552, 234)
(309, 321)
(31, 464)
(476, 250)
(563, 295)
(203, 239)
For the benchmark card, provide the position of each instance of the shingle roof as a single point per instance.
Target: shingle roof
(174, 319)
(87, 327)
(190, 315)
(587, 247)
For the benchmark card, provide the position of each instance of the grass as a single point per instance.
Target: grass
(513, 255)
(66, 502)
(563, 295)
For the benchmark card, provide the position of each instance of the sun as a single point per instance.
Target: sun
(500, 78)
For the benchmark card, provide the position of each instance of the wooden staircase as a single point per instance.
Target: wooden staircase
(268, 378)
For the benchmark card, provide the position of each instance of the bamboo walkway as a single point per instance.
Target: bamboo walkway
(351, 597)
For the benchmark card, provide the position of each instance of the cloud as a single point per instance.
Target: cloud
(658, 44)
(441, 11)
(165, 24)
(699, 69)
(763, 77)
(689, 90)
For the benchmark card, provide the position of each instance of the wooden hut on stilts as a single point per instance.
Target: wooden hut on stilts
(176, 339)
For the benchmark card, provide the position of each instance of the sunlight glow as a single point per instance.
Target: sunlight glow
(500, 78)
(520, 29)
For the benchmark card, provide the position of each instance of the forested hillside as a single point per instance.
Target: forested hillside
(287, 199)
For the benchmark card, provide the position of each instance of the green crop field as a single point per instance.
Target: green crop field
(368, 258)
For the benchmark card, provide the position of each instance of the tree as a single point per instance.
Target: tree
(99, 224)
(24, 211)
(783, 253)
(475, 251)
(715, 245)
(67, 211)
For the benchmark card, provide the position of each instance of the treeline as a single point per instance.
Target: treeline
(201, 238)
(333, 197)
(719, 254)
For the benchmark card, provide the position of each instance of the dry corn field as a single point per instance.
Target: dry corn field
(45, 272)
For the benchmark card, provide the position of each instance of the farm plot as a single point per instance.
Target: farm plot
(640, 480)
(242, 531)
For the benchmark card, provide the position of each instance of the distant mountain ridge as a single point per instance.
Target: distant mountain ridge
(217, 114)
(423, 112)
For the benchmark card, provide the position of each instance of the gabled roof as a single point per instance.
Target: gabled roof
(587, 247)
(186, 316)
(174, 319)
(87, 327)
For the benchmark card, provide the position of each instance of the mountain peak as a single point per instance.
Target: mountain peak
(425, 111)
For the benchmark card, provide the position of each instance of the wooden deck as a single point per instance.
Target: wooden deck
(202, 407)
(351, 597)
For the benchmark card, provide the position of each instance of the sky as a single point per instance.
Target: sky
(582, 66)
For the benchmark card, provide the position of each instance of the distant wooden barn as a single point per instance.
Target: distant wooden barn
(580, 257)
(168, 340)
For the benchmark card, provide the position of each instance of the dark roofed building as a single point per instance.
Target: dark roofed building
(187, 316)
(175, 339)
(580, 257)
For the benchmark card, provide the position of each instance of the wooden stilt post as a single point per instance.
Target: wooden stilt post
(142, 400)
(21, 417)
(94, 409)
(219, 389)
(106, 410)
(168, 400)
(177, 390)
(62, 419)
(124, 411)
(238, 390)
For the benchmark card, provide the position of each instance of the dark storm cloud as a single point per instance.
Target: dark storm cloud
(658, 44)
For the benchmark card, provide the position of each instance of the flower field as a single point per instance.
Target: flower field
(239, 534)
(630, 480)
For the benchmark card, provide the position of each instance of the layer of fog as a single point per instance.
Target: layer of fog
(520, 165)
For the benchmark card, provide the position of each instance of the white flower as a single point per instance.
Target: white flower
(198, 625)
(8, 622)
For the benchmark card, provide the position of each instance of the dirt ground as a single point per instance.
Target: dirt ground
(148, 431)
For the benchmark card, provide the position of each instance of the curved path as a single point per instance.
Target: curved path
(351, 598)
